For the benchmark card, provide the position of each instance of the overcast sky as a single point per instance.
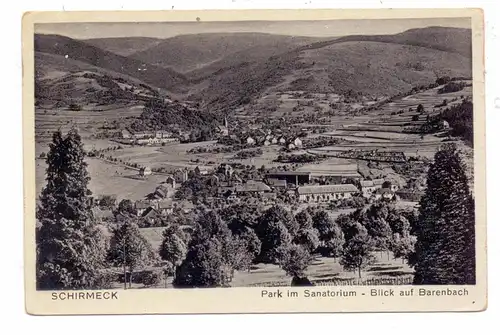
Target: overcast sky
(298, 28)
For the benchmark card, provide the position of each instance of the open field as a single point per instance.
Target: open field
(332, 166)
(383, 131)
(153, 235)
(110, 179)
(323, 271)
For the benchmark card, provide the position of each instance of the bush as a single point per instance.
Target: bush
(75, 107)
(443, 80)
(452, 87)
(106, 279)
(151, 278)
(146, 277)
(295, 259)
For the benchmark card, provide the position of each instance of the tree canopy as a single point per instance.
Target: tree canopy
(445, 248)
(211, 257)
(70, 246)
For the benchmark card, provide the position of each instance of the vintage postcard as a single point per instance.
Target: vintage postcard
(256, 161)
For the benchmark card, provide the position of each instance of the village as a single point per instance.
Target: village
(291, 187)
(339, 166)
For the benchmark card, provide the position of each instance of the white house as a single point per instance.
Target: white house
(143, 134)
(170, 181)
(181, 175)
(298, 142)
(367, 188)
(126, 134)
(163, 134)
(384, 193)
(325, 193)
(223, 129)
(378, 183)
(141, 206)
(228, 171)
(250, 141)
(165, 206)
(252, 186)
(444, 125)
(145, 171)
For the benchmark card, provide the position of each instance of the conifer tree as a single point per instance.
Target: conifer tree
(445, 248)
(70, 247)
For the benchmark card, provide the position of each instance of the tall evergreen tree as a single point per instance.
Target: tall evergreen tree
(445, 248)
(70, 247)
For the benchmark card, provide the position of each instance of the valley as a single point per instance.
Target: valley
(215, 120)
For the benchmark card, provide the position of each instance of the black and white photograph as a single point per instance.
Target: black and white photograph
(222, 154)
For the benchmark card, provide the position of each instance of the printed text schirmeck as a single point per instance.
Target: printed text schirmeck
(85, 295)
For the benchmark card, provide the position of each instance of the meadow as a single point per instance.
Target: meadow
(327, 271)
(383, 130)
(322, 270)
(110, 179)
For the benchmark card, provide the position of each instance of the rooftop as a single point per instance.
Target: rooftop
(340, 188)
(141, 204)
(276, 182)
(165, 204)
(149, 212)
(366, 183)
(384, 191)
(253, 186)
(289, 173)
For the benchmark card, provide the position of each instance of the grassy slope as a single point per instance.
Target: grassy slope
(64, 80)
(456, 40)
(204, 54)
(80, 51)
(123, 46)
(399, 62)
(372, 68)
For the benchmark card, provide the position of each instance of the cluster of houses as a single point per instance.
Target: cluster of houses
(299, 185)
(371, 189)
(148, 137)
(158, 202)
(290, 143)
(295, 184)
